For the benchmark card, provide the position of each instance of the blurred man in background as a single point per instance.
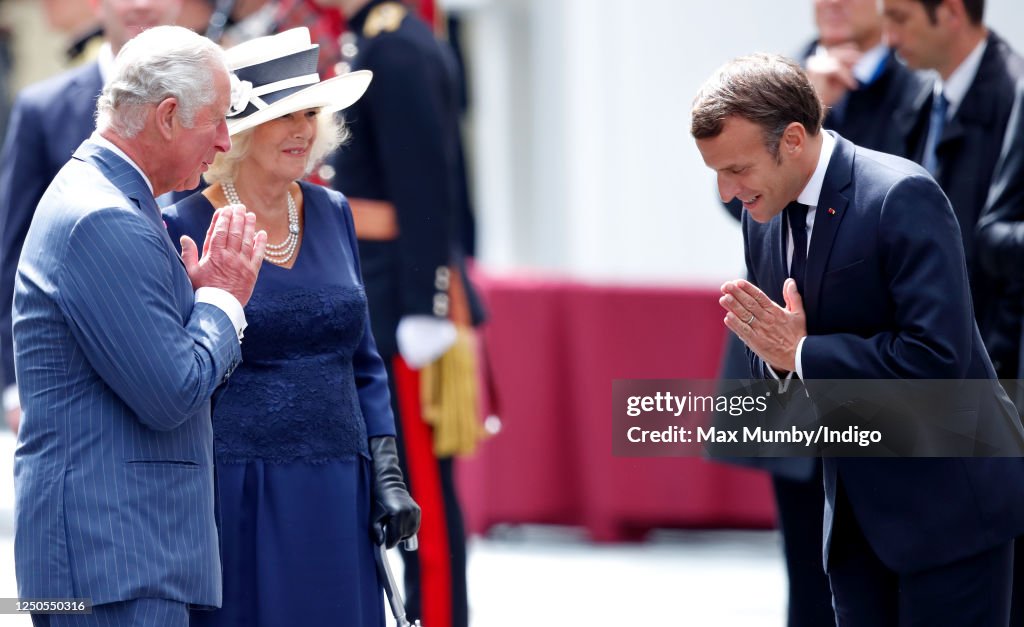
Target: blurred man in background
(195, 15)
(957, 133)
(859, 78)
(77, 19)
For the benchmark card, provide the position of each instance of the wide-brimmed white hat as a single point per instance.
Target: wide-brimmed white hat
(276, 75)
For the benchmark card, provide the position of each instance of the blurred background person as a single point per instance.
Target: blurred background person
(77, 20)
(236, 21)
(1000, 232)
(48, 122)
(304, 435)
(858, 77)
(403, 174)
(1000, 245)
(957, 133)
(245, 20)
(195, 14)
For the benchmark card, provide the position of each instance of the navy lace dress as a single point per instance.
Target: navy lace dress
(290, 433)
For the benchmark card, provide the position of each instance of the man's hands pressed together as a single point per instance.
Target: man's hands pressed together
(232, 253)
(773, 333)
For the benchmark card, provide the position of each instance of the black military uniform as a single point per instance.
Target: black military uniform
(402, 172)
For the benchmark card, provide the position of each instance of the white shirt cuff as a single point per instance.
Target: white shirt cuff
(799, 361)
(783, 383)
(11, 398)
(223, 300)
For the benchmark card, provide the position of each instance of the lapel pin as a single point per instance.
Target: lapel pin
(831, 211)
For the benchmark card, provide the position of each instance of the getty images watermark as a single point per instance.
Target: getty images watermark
(858, 418)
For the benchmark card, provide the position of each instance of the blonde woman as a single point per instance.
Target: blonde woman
(308, 472)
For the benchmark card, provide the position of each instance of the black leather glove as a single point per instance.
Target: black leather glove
(394, 509)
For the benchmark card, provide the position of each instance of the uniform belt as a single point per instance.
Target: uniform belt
(374, 219)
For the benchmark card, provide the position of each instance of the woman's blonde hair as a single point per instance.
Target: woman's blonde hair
(330, 133)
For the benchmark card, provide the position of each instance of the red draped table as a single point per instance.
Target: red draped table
(555, 347)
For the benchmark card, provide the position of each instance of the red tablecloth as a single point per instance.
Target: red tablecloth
(555, 347)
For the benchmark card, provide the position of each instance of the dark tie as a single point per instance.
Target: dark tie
(796, 214)
(936, 122)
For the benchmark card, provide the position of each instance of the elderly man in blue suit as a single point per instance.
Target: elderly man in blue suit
(857, 271)
(48, 121)
(119, 345)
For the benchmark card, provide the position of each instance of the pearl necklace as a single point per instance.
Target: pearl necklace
(282, 253)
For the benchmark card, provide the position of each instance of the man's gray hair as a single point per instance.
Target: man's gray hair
(159, 63)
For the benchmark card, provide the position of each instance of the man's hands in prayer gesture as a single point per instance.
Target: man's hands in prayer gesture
(232, 253)
(773, 333)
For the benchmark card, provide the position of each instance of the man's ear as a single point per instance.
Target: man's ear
(166, 114)
(952, 10)
(794, 138)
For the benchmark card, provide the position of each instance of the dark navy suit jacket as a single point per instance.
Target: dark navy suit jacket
(865, 115)
(887, 297)
(866, 118)
(1000, 232)
(49, 120)
(113, 473)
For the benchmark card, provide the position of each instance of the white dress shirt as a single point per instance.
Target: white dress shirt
(810, 196)
(959, 82)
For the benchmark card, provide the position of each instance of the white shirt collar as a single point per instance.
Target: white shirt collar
(955, 88)
(866, 68)
(812, 191)
(105, 59)
(96, 138)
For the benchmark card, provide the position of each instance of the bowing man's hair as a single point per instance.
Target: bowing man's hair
(766, 89)
(159, 63)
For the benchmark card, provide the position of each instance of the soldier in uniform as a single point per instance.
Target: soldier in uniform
(402, 172)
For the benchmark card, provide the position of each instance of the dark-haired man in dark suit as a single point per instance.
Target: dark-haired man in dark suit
(877, 289)
(865, 90)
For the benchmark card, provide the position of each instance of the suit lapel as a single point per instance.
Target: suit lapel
(828, 216)
(123, 176)
(911, 122)
(977, 110)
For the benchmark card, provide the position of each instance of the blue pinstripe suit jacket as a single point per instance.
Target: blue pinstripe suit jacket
(116, 363)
